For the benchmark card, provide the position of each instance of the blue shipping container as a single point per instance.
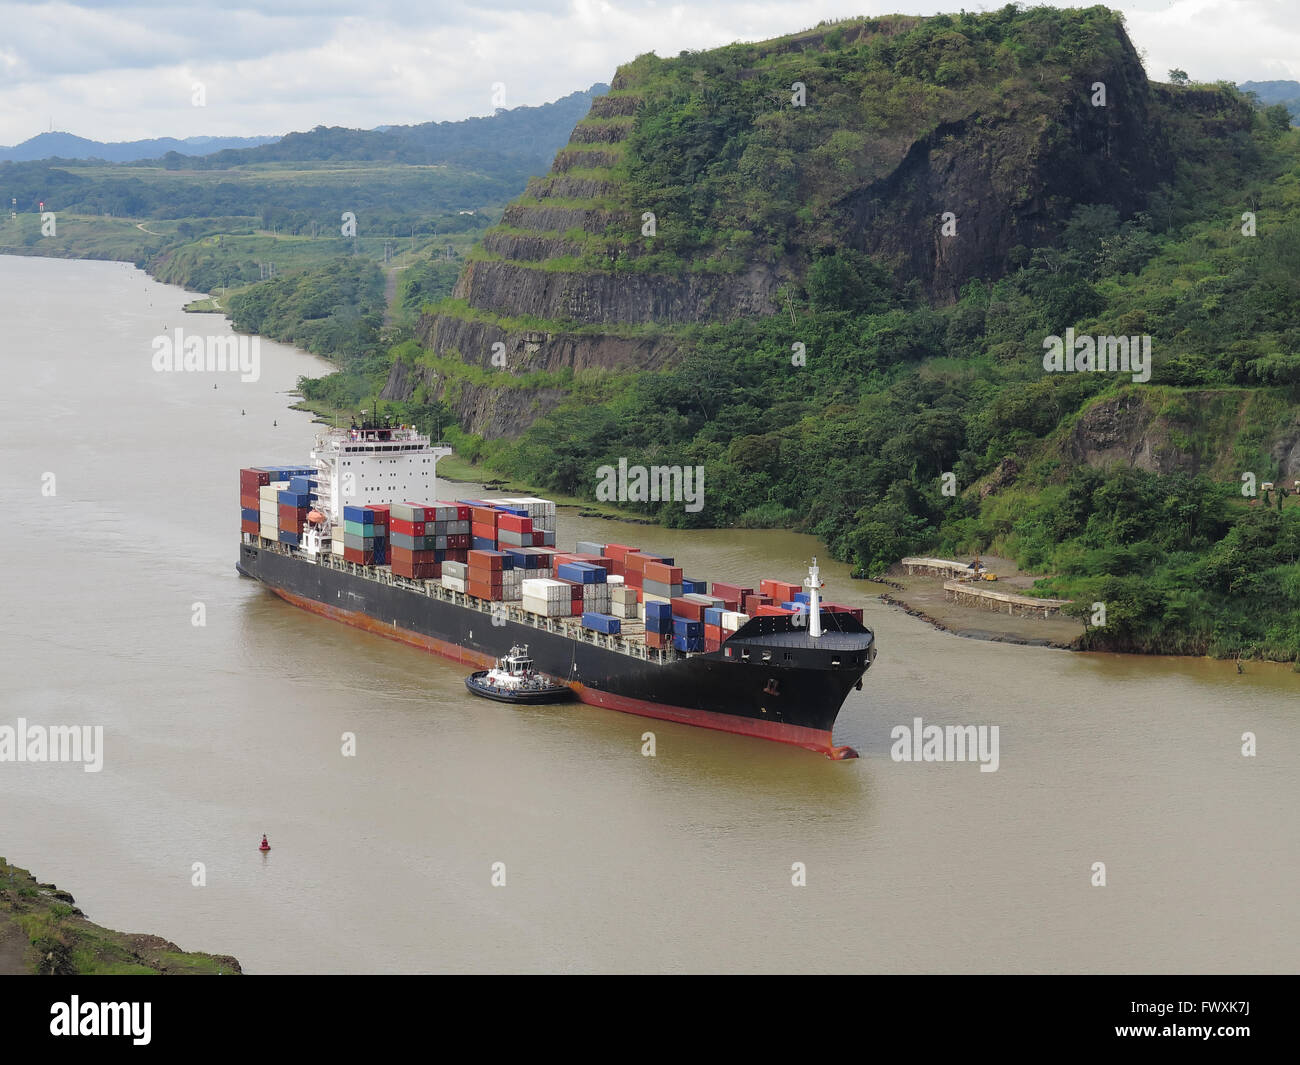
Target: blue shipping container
(605, 623)
(292, 499)
(687, 627)
(689, 586)
(801, 607)
(361, 515)
(250, 514)
(482, 543)
(801, 597)
(712, 616)
(689, 643)
(289, 538)
(659, 611)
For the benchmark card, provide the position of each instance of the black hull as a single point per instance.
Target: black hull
(789, 687)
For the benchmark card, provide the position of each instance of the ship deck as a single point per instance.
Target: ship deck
(631, 641)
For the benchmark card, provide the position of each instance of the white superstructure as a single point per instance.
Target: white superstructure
(364, 466)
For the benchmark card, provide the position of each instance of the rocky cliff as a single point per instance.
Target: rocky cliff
(942, 148)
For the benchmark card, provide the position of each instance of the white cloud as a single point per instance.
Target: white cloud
(113, 72)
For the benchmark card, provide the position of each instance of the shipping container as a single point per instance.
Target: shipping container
(605, 623)
(754, 601)
(732, 620)
(590, 547)
(546, 607)
(490, 560)
(801, 597)
(685, 609)
(664, 591)
(840, 608)
(772, 611)
(780, 591)
(249, 514)
(658, 641)
(713, 616)
(249, 526)
(689, 644)
(691, 587)
(253, 478)
(732, 593)
(454, 569)
(288, 537)
(455, 584)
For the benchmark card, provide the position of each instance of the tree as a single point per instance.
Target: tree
(1178, 77)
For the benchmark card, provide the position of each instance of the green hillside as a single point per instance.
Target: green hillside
(923, 358)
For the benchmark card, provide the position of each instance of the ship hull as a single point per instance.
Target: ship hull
(794, 702)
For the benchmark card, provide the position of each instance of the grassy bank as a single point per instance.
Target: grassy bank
(42, 932)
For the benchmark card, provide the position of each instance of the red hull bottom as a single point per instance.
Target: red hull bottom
(817, 740)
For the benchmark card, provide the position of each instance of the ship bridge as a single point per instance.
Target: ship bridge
(373, 464)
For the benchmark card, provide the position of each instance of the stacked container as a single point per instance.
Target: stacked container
(688, 635)
(454, 575)
(733, 595)
(485, 576)
(549, 598)
(365, 536)
(661, 581)
(780, 591)
(483, 527)
(658, 625)
(622, 601)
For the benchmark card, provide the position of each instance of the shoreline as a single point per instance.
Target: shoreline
(44, 933)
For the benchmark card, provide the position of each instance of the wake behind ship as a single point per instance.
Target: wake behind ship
(470, 579)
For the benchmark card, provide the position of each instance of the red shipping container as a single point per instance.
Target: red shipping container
(712, 644)
(485, 516)
(780, 591)
(539, 538)
(494, 578)
(753, 602)
(404, 555)
(420, 571)
(731, 592)
(657, 571)
(713, 632)
(381, 511)
(251, 502)
(249, 527)
(458, 540)
(772, 611)
(361, 558)
(684, 608)
(617, 551)
(456, 554)
(654, 639)
(840, 608)
(487, 532)
(255, 479)
(633, 580)
(489, 560)
(406, 528)
(514, 523)
(482, 591)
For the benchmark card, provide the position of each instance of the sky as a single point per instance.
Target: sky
(171, 68)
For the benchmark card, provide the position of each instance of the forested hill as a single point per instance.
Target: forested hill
(522, 138)
(914, 208)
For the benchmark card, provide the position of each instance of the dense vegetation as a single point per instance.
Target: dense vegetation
(897, 392)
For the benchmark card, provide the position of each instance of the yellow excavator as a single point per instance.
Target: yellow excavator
(979, 573)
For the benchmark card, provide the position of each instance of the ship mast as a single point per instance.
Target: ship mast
(813, 583)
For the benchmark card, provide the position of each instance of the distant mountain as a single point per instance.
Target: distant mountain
(70, 146)
(1286, 93)
(524, 136)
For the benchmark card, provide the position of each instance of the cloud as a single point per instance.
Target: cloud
(114, 72)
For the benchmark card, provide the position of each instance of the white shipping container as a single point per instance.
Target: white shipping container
(544, 607)
(454, 569)
(337, 546)
(548, 590)
(624, 610)
(455, 584)
(272, 491)
(614, 580)
(733, 619)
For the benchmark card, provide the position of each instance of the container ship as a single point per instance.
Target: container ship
(469, 579)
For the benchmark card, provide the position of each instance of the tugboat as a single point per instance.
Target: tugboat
(513, 680)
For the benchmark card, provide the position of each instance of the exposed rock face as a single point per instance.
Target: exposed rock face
(1008, 179)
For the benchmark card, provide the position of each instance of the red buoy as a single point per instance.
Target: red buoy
(265, 846)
